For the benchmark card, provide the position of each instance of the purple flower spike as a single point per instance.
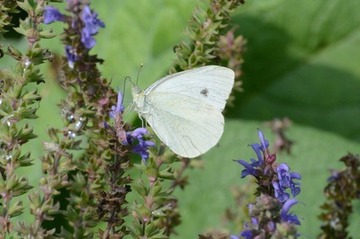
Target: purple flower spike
(52, 14)
(92, 25)
(270, 214)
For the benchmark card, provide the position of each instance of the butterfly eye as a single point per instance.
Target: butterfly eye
(136, 90)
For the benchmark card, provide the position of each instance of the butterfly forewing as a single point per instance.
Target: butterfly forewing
(211, 84)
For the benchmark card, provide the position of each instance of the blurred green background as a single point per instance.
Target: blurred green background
(302, 61)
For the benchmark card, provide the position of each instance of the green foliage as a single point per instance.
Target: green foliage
(7, 8)
(204, 30)
(300, 61)
(343, 188)
(18, 104)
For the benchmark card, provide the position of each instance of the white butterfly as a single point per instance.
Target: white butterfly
(184, 109)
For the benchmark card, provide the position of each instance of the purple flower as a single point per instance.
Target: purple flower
(250, 168)
(291, 218)
(247, 234)
(286, 177)
(249, 231)
(87, 39)
(52, 14)
(92, 25)
(71, 55)
(234, 237)
(260, 148)
(254, 168)
(271, 226)
(283, 175)
(280, 192)
(143, 145)
(264, 142)
(334, 176)
(119, 108)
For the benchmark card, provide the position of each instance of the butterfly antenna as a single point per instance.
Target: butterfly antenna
(138, 74)
(128, 108)
(127, 78)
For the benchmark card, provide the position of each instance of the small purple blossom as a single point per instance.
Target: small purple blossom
(87, 39)
(52, 14)
(280, 192)
(250, 168)
(247, 234)
(254, 220)
(71, 55)
(258, 150)
(143, 145)
(262, 147)
(264, 142)
(334, 176)
(289, 217)
(271, 226)
(119, 108)
(254, 168)
(286, 178)
(91, 27)
(92, 23)
(234, 237)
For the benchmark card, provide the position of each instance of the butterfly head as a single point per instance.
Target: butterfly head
(135, 90)
(138, 97)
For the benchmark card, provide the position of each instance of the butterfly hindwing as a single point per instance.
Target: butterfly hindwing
(189, 130)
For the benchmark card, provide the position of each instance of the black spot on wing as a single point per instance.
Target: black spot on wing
(204, 92)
